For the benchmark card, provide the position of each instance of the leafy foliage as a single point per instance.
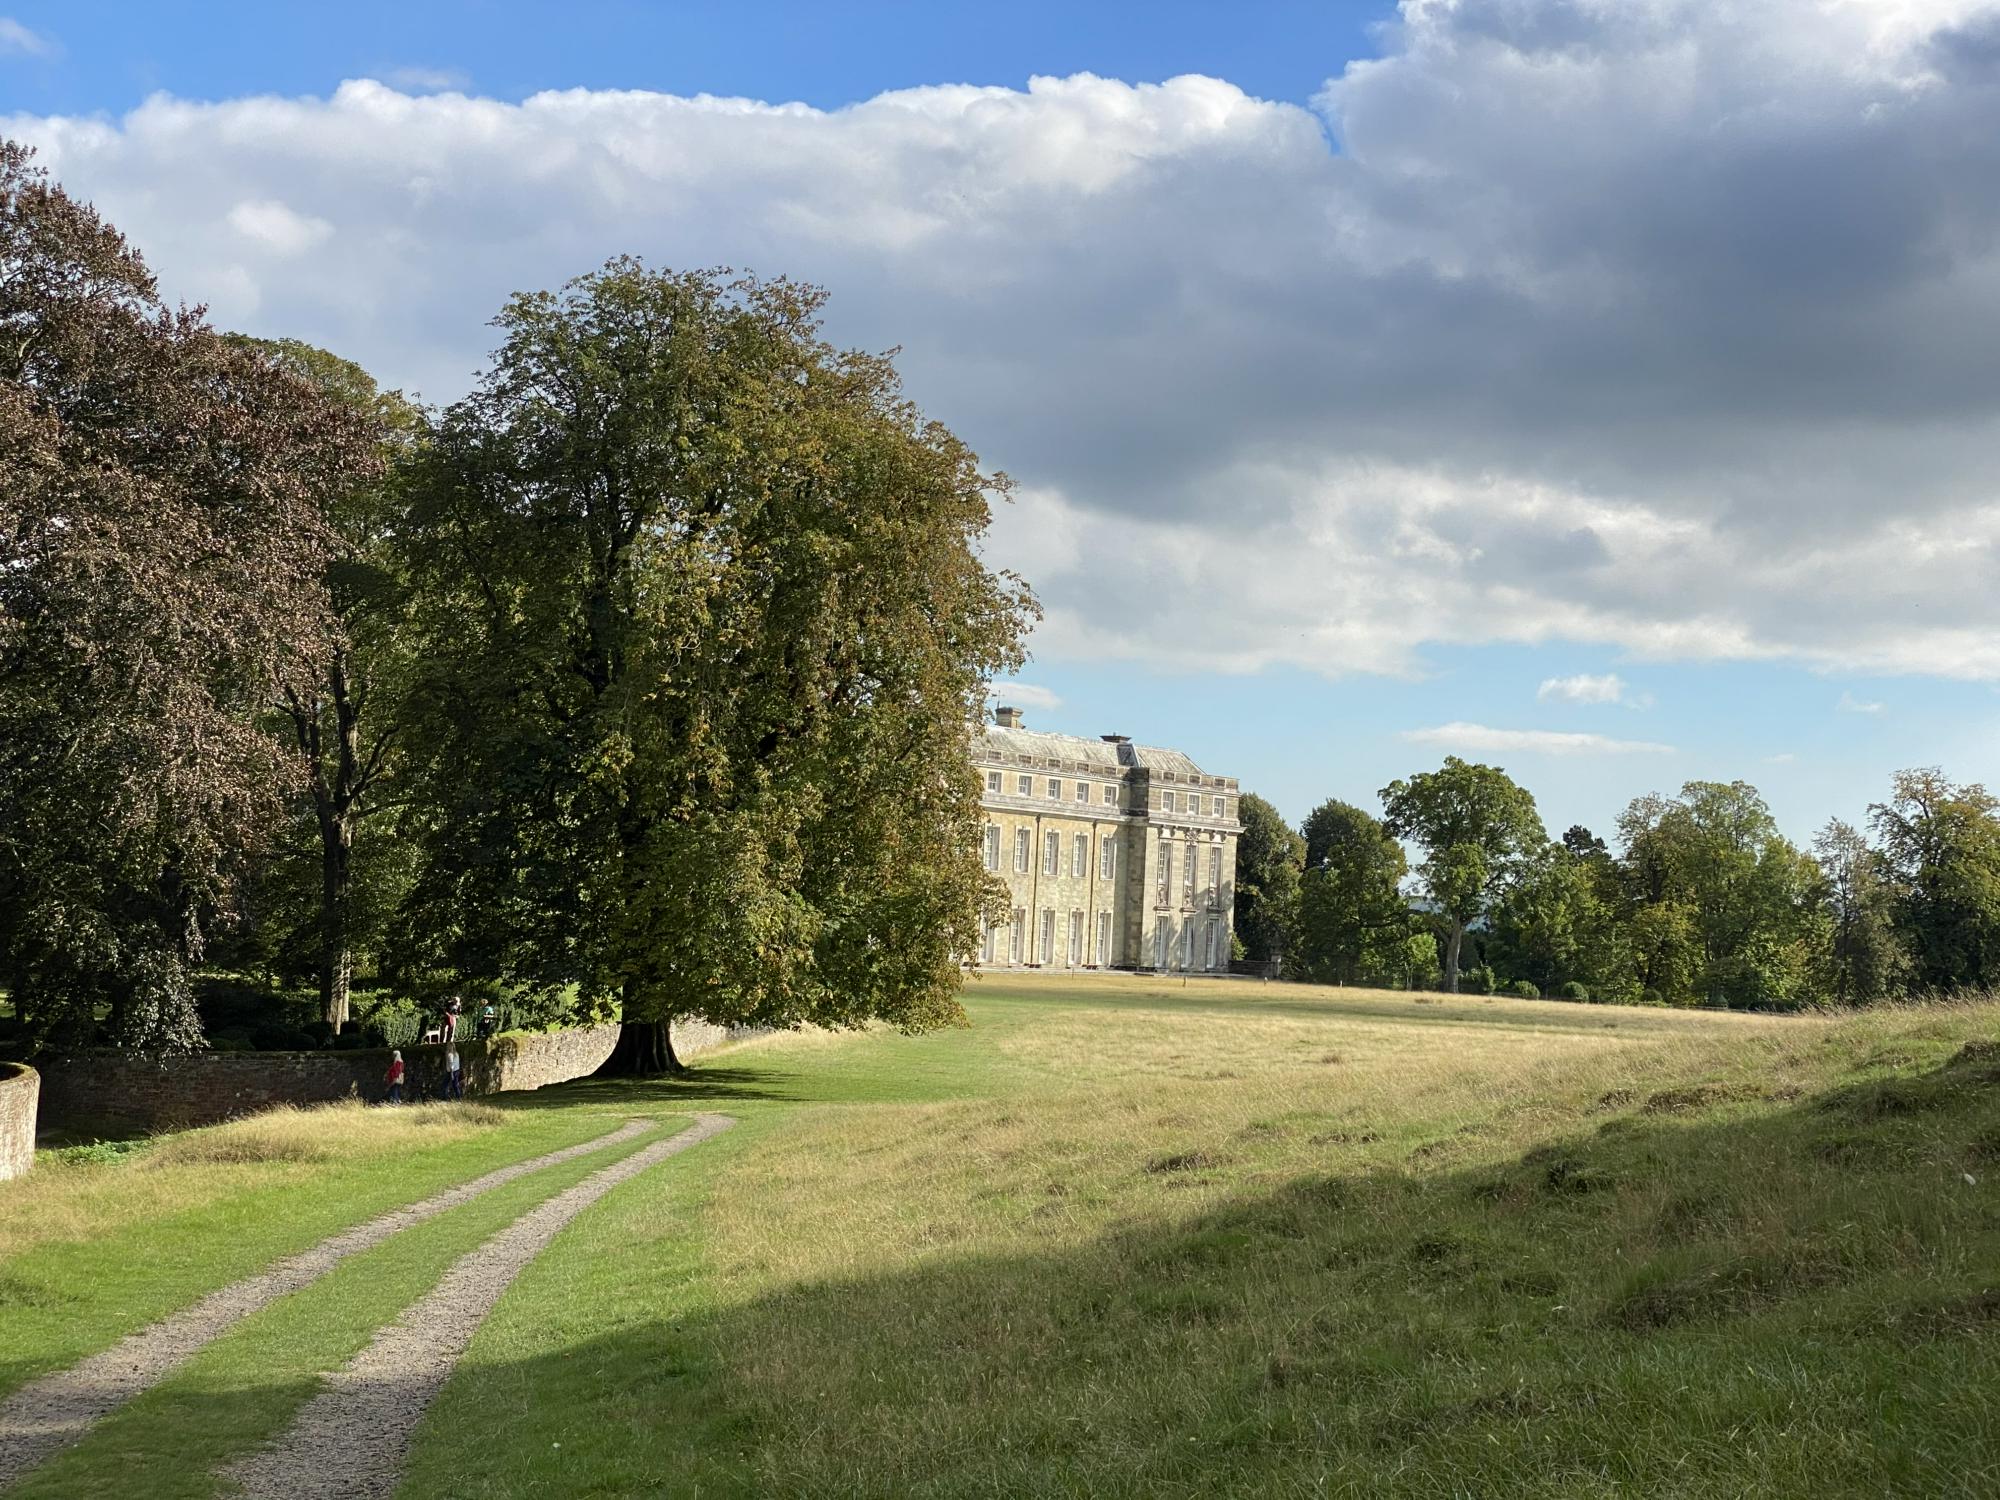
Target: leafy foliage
(162, 556)
(703, 628)
(1477, 829)
(1268, 860)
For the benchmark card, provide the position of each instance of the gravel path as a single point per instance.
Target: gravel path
(53, 1412)
(350, 1441)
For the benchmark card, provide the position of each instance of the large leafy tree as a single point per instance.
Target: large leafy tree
(1562, 921)
(1477, 830)
(162, 558)
(341, 708)
(1269, 855)
(1353, 925)
(1726, 895)
(707, 630)
(1859, 954)
(1940, 841)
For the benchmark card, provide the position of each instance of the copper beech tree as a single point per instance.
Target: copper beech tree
(162, 556)
(706, 627)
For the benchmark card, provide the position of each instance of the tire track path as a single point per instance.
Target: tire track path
(49, 1414)
(351, 1440)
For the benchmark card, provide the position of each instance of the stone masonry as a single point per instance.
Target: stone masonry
(1115, 855)
(19, 1088)
(103, 1089)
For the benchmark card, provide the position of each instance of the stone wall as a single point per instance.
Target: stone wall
(104, 1090)
(19, 1087)
(107, 1091)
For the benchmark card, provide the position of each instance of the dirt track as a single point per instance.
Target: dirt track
(54, 1411)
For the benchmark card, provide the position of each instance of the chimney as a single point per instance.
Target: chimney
(1007, 718)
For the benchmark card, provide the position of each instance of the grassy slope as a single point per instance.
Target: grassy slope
(91, 1250)
(1123, 1238)
(246, 1387)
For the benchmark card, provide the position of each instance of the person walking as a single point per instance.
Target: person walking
(454, 1077)
(395, 1078)
(453, 1008)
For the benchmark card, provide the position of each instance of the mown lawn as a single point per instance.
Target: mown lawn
(1127, 1237)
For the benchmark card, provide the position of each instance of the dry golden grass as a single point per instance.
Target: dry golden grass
(70, 1198)
(327, 1132)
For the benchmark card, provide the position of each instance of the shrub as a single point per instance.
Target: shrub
(1650, 997)
(1479, 980)
(1574, 991)
(1525, 989)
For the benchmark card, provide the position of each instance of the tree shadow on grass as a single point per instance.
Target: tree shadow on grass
(1611, 1312)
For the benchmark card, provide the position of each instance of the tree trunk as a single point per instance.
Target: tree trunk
(336, 884)
(1451, 948)
(645, 1050)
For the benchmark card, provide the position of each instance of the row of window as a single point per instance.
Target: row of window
(1165, 890)
(1079, 858)
(1196, 804)
(1199, 943)
(1024, 786)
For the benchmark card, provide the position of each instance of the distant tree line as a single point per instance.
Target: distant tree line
(636, 682)
(1699, 900)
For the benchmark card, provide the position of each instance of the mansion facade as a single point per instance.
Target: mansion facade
(1115, 855)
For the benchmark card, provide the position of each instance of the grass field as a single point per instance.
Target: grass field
(1130, 1237)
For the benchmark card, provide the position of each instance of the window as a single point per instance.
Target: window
(1111, 796)
(986, 945)
(1049, 935)
(1214, 871)
(1076, 940)
(1017, 935)
(1107, 858)
(1160, 940)
(1186, 960)
(1024, 785)
(1055, 788)
(1020, 851)
(992, 846)
(1187, 875)
(1104, 940)
(1052, 854)
(1166, 870)
(1214, 944)
(1166, 802)
(992, 781)
(1083, 791)
(1079, 856)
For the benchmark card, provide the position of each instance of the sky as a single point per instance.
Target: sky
(1603, 389)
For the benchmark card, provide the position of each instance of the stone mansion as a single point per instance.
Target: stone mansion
(1115, 855)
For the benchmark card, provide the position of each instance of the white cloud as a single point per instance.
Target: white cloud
(1583, 688)
(1556, 322)
(17, 40)
(1849, 704)
(272, 226)
(1782, 758)
(1478, 739)
(1023, 695)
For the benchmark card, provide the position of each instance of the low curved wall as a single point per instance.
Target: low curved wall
(108, 1091)
(20, 1090)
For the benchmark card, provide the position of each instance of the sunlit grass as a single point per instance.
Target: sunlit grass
(1150, 1240)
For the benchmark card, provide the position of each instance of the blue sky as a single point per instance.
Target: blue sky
(114, 54)
(1357, 388)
